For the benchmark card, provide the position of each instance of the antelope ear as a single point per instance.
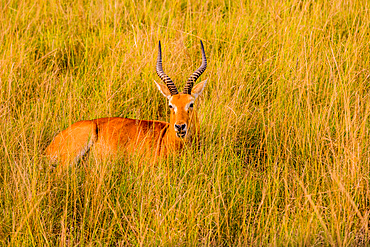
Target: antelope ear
(163, 89)
(198, 89)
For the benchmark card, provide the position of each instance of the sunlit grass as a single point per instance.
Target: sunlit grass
(284, 157)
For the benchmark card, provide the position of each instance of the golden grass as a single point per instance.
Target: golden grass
(285, 130)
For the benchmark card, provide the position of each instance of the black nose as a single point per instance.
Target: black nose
(180, 127)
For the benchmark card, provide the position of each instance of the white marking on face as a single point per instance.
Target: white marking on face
(171, 106)
(189, 106)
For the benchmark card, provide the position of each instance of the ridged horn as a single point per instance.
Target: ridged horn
(165, 78)
(197, 73)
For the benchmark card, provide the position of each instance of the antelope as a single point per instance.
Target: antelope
(107, 137)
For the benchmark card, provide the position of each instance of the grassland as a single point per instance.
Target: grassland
(285, 138)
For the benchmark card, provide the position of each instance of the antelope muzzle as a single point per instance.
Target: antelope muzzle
(180, 130)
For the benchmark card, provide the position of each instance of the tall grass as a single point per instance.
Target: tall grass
(285, 148)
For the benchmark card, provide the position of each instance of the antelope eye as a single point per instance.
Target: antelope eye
(191, 105)
(170, 106)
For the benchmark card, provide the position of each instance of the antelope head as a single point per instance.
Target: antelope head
(181, 104)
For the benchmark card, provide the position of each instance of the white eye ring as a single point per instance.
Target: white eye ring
(191, 105)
